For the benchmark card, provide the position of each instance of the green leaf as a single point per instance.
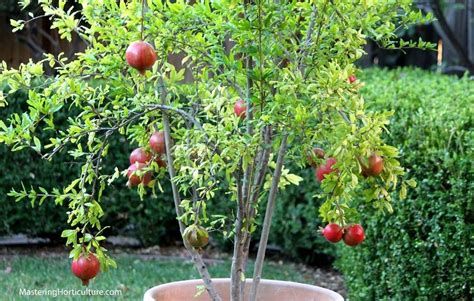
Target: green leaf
(200, 289)
(293, 179)
(67, 233)
(37, 146)
(411, 183)
(403, 191)
(87, 237)
(17, 25)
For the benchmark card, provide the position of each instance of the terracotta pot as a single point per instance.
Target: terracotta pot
(269, 290)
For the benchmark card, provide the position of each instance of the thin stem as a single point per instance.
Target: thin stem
(237, 258)
(309, 34)
(142, 21)
(125, 122)
(198, 262)
(339, 14)
(261, 170)
(268, 219)
(236, 283)
(318, 35)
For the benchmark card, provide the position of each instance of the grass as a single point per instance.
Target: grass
(132, 277)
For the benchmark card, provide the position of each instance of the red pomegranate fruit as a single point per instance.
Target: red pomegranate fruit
(354, 235)
(157, 142)
(139, 155)
(161, 163)
(134, 179)
(85, 267)
(374, 168)
(375, 165)
(333, 232)
(317, 152)
(141, 56)
(325, 169)
(240, 108)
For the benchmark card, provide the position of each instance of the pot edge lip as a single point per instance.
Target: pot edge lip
(334, 294)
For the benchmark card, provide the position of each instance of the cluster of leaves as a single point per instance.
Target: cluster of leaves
(423, 251)
(290, 61)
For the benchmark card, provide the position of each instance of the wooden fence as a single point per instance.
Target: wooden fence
(32, 42)
(37, 38)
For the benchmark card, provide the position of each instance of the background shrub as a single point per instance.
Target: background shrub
(423, 250)
(296, 222)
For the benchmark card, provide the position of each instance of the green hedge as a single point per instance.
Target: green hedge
(422, 251)
(296, 223)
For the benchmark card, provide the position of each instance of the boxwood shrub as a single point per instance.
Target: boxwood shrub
(424, 250)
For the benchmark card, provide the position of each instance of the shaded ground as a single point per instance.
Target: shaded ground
(138, 269)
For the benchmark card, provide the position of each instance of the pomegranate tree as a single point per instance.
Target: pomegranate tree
(288, 63)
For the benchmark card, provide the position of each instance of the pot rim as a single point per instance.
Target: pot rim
(149, 293)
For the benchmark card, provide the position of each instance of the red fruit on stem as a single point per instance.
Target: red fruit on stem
(140, 155)
(352, 79)
(141, 56)
(375, 165)
(134, 179)
(157, 142)
(354, 235)
(240, 108)
(85, 268)
(325, 169)
(333, 232)
(317, 153)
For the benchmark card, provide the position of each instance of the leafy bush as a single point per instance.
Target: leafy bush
(422, 251)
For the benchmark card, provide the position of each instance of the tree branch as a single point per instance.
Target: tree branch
(236, 283)
(198, 262)
(237, 255)
(268, 219)
(309, 34)
(261, 168)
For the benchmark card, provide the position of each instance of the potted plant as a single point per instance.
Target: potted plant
(258, 84)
